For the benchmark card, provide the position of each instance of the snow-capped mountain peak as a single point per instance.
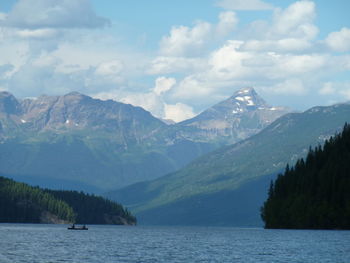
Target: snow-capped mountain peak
(245, 100)
(238, 117)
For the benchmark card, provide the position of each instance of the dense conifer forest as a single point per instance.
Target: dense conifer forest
(315, 193)
(91, 209)
(21, 203)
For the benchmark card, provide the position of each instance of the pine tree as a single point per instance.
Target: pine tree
(315, 192)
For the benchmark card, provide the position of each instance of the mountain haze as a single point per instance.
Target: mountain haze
(75, 137)
(210, 189)
(240, 116)
(94, 145)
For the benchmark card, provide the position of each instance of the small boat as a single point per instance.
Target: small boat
(73, 227)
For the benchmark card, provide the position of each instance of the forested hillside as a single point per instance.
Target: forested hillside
(314, 194)
(21, 203)
(91, 209)
(215, 182)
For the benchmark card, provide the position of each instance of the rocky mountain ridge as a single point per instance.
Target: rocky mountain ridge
(74, 112)
(236, 118)
(107, 144)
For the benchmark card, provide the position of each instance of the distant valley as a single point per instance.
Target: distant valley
(228, 186)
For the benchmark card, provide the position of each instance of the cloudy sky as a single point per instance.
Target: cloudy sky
(176, 58)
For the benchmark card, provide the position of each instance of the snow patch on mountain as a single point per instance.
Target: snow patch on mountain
(247, 99)
(244, 91)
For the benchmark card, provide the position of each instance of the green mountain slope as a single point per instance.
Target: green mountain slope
(92, 209)
(77, 142)
(314, 194)
(91, 144)
(21, 203)
(230, 168)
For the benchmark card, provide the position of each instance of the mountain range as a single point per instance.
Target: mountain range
(228, 186)
(236, 118)
(213, 169)
(78, 142)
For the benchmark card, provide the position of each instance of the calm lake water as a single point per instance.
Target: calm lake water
(54, 243)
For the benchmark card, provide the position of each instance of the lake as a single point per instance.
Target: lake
(54, 243)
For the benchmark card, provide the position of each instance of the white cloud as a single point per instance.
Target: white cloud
(244, 5)
(227, 23)
(230, 62)
(193, 87)
(45, 60)
(35, 29)
(339, 91)
(108, 73)
(301, 64)
(230, 66)
(32, 79)
(292, 30)
(339, 41)
(5, 70)
(345, 92)
(14, 53)
(178, 112)
(166, 65)
(91, 51)
(47, 74)
(327, 89)
(113, 67)
(149, 101)
(289, 87)
(280, 55)
(259, 56)
(43, 33)
(280, 45)
(82, 62)
(296, 21)
(186, 41)
(35, 14)
(153, 101)
(226, 62)
(163, 85)
(160, 109)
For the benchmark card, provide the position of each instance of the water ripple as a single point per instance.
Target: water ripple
(109, 244)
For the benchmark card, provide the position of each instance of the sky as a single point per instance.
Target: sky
(177, 58)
